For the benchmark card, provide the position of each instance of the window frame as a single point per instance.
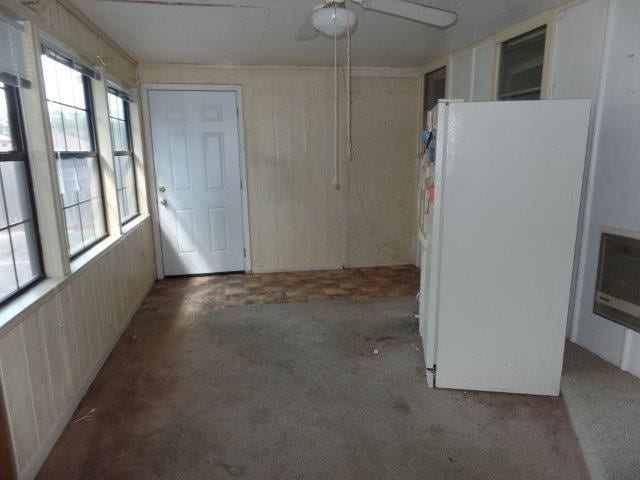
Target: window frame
(425, 85)
(515, 96)
(56, 56)
(20, 153)
(118, 153)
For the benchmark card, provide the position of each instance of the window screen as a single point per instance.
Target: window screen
(70, 112)
(20, 259)
(123, 156)
(521, 66)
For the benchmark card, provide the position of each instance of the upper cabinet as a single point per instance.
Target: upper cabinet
(577, 51)
(471, 73)
(484, 67)
(460, 73)
(553, 56)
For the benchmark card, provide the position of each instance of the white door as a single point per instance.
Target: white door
(197, 163)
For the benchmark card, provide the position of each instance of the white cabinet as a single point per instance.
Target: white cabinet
(471, 73)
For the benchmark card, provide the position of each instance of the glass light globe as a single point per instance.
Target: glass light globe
(333, 21)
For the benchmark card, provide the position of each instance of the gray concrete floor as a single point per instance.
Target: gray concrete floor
(604, 407)
(295, 391)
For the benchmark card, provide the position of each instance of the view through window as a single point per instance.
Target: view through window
(20, 260)
(123, 157)
(69, 103)
(521, 66)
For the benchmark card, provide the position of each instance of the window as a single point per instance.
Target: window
(434, 87)
(521, 68)
(123, 156)
(68, 94)
(20, 259)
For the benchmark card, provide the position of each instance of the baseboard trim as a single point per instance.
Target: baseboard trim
(381, 264)
(30, 472)
(297, 268)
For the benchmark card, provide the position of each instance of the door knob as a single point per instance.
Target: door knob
(161, 188)
(163, 202)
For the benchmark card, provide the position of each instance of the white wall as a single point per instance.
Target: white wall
(613, 196)
(575, 74)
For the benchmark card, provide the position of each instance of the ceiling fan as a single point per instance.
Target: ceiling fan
(333, 18)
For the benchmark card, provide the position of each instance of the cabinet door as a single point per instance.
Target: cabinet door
(460, 76)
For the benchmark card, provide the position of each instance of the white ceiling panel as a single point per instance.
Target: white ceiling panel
(261, 32)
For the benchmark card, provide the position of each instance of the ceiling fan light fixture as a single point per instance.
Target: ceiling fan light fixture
(334, 21)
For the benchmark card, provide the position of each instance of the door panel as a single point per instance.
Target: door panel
(179, 160)
(197, 162)
(213, 160)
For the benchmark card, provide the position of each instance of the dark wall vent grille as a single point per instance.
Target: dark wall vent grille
(617, 295)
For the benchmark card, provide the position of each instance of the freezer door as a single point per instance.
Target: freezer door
(513, 175)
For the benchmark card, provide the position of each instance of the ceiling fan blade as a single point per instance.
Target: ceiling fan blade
(411, 11)
(306, 31)
(187, 3)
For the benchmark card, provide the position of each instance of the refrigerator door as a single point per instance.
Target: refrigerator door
(429, 267)
(512, 181)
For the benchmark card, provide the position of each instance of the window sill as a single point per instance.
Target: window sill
(79, 263)
(28, 302)
(32, 299)
(132, 223)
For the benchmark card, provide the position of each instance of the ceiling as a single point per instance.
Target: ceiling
(260, 32)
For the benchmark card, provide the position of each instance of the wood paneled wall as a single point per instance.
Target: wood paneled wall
(51, 348)
(49, 358)
(382, 173)
(297, 218)
(6, 453)
(67, 24)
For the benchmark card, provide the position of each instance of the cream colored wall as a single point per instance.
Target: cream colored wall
(55, 337)
(382, 172)
(297, 218)
(50, 353)
(63, 21)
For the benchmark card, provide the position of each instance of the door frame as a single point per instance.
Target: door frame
(145, 88)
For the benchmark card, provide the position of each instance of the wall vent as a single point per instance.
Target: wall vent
(617, 295)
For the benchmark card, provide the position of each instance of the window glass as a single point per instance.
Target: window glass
(521, 67)
(20, 259)
(434, 87)
(79, 179)
(123, 157)
(6, 142)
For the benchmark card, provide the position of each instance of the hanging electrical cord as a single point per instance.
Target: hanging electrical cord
(350, 157)
(349, 152)
(336, 165)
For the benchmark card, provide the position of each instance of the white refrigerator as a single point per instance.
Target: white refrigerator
(498, 217)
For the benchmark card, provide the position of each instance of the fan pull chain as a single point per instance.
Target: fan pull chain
(336, 165)
(349, 152)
